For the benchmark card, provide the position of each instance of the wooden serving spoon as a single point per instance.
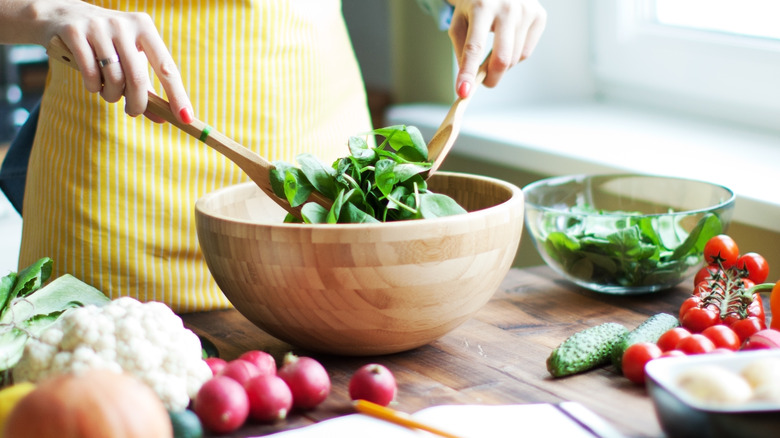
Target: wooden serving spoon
(444, 138)
(256, 167)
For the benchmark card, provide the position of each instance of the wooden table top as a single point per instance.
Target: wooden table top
(497, 357)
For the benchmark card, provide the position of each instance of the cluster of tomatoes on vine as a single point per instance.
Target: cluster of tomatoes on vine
(725, 308)
(727, 290)
(724, 312)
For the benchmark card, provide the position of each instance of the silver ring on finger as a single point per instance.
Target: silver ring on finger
(107, 61)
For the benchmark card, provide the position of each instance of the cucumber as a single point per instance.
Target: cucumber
(649, 331)
(585, 349)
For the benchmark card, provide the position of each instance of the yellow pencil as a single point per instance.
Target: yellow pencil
(400, 418)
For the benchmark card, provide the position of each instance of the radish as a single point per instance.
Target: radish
(240, 371)
(270, 399)
(374, 383)
(763, 339)
(216, 364)
(264, 361)
(307, 379)
(221, 404)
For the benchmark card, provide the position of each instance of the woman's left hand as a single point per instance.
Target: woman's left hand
(517, 26)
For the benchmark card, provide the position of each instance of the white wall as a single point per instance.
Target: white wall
(557, 71)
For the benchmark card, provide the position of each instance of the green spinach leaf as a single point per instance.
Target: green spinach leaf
(634, 251)
(383, 183)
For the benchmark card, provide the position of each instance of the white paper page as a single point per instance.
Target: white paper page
(350, 426)
(505, 421)
(467, 421)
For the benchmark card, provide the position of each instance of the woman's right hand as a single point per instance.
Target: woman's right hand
(127, 42)
(516, 25)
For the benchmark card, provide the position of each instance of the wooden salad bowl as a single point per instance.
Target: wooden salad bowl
(361, 289)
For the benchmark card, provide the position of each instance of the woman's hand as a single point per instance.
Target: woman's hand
(516, 25)
(113, 50)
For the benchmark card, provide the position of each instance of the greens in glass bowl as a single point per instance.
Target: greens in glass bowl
(624, 234)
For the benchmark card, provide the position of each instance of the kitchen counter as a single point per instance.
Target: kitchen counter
(497, 357)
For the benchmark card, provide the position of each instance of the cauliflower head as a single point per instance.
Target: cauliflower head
(147, 340)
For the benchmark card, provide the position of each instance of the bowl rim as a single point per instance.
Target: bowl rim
(729, 203)
(517, 196)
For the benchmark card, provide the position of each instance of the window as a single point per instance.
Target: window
(718, 58)
(755, 18)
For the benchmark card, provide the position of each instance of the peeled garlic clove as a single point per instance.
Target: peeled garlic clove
(763, 375)
(762, 371)
(714, 385)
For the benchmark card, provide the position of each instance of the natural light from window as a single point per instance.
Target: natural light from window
(755, 18)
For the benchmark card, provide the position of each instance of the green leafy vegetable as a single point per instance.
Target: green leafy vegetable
(207, 348)
(385, 183)
(626, 249)
(28, 308)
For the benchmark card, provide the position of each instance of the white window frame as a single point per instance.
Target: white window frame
(720, 75)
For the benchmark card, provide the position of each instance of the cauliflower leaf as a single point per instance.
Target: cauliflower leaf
(28, 308)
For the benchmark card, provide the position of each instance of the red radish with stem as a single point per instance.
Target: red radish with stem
(307, 379)
(221, 404)
(216, 364)
(264, 362)
(240, 371)
(374, 383)
(270, 399)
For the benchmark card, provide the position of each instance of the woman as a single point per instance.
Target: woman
(110, 197)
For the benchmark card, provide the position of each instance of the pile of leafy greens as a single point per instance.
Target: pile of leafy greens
(27, 307)
(372, 184)
(624, 248)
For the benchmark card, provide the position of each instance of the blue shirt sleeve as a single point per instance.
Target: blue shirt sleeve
(440, 10)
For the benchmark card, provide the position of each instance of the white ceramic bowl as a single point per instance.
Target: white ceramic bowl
(683, 416)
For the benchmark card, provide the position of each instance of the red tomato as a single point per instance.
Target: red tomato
(688, 304)
(722, 251)
(707, 274)
(754, 265)
(756, 308)
(671, 338)
(697, 319)
(702, 289)
(746, 327)
(673, 353)
(730, 319)
(723, 337)
(695, 344)
(746, 283)
(636, 357)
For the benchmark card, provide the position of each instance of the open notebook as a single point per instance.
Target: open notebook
(471, 421)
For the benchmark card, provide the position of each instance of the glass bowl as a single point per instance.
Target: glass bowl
(625, 234)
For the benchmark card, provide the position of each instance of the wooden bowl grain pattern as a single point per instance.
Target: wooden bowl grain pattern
(357, 289)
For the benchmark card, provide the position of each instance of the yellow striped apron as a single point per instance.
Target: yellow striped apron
(111, 198)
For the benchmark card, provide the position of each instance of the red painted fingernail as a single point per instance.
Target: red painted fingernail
(186, 115)
(464, 89)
